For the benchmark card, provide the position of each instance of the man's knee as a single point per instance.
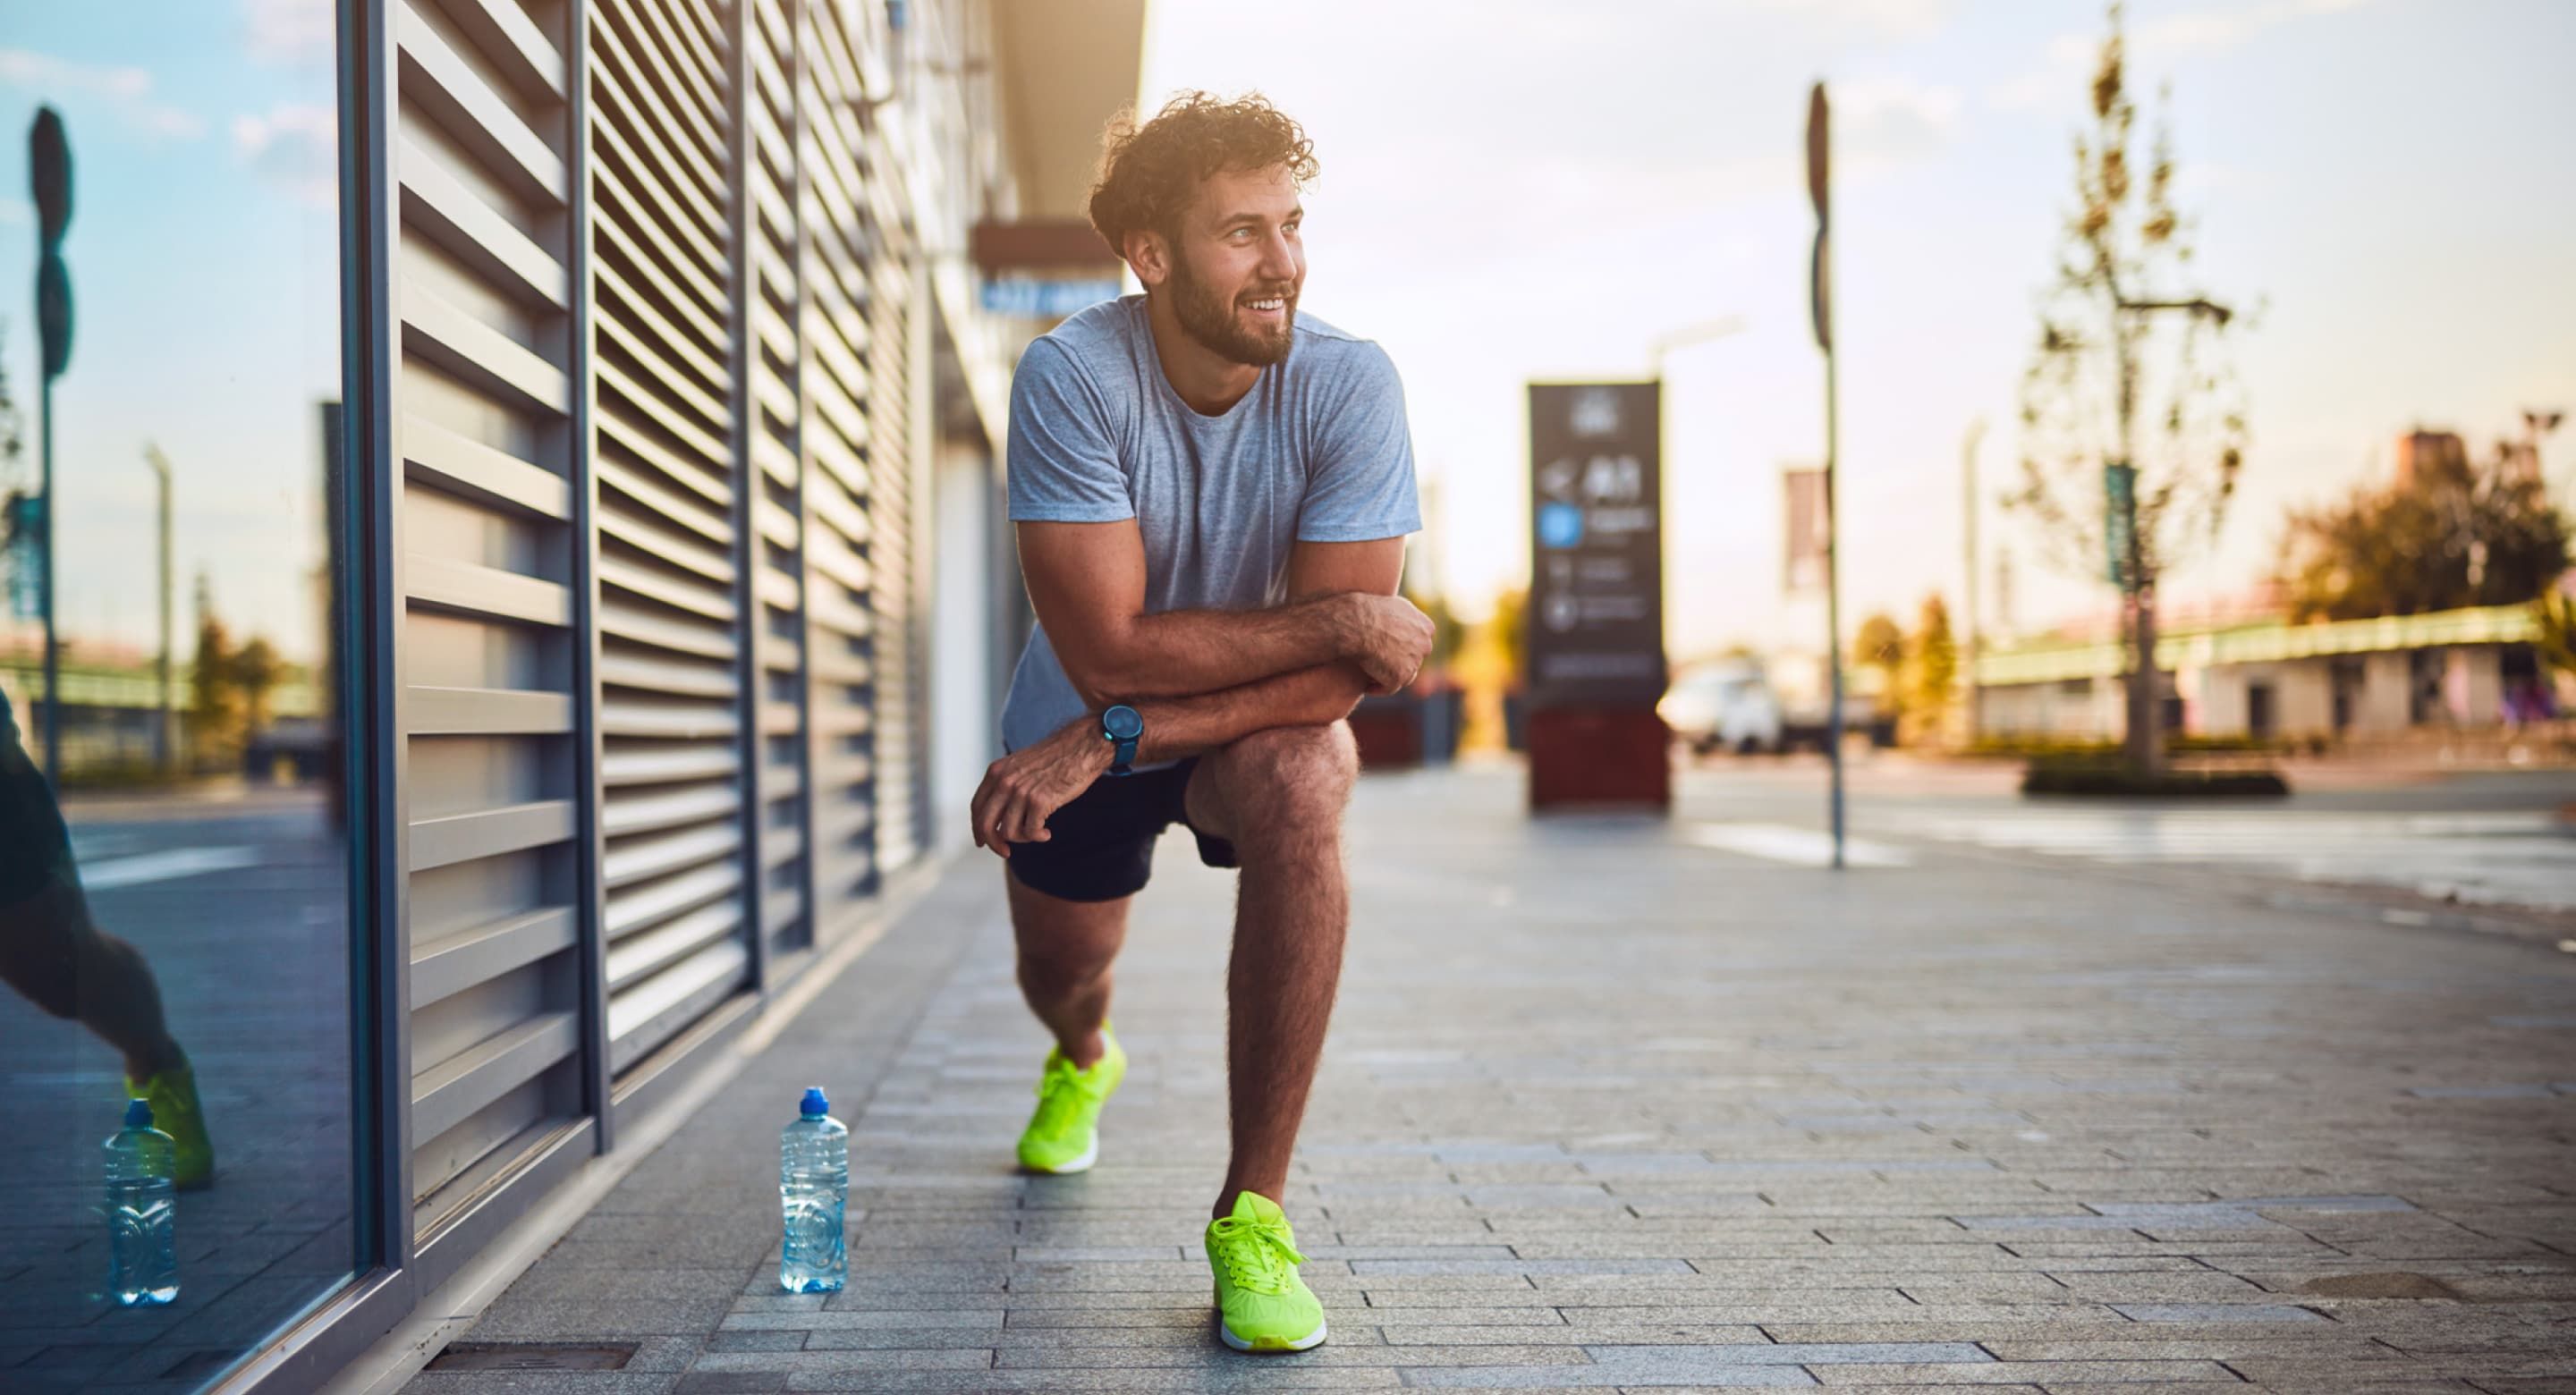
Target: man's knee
(1290, 780)
(1065, 943)
(41, 943)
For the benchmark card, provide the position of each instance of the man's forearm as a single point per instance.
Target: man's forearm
(1177, 653)
(1189, 726)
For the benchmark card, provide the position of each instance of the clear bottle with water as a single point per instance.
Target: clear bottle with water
(813, 1191)
(142, 1212)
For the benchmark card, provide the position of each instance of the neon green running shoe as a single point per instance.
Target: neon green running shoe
(1261, 1304)
(176, 1112)
(1064, 1135)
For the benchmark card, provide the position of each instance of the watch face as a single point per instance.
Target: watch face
(1122, 723)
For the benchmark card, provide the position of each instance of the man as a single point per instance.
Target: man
(53, 955)
(1211, 495)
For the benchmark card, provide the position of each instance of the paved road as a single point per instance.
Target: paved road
(2492, 840)
(1608, 1108)
(241, 912)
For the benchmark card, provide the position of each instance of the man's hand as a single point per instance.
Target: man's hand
(1386, 636)
(1023, 788)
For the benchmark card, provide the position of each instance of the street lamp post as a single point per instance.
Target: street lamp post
(1968, 465)
(165, 743)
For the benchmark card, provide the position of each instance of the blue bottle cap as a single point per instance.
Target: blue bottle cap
(138, 1114)
(814, 1106)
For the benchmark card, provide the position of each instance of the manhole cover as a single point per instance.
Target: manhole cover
(532, 1356)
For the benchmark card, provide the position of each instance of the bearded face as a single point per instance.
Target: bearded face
(1253, 324)
(1237, 263)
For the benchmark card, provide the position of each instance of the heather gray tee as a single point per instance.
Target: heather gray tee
(1316, 452)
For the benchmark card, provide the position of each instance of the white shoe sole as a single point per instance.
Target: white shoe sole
(1310, 1340)
(1090, 1155)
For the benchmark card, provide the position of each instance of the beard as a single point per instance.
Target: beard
(1208, 317)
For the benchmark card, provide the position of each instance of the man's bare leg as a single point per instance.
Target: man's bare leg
(53, 954)
(1278, 796)
(1066, 949)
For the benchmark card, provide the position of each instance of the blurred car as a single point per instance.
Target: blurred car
(1726, 705)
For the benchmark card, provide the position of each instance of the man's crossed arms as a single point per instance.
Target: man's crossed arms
(1202, 679)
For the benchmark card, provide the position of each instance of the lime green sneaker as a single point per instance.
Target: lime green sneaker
(1064, 1135)
(1261, 1304)
(176, 1112)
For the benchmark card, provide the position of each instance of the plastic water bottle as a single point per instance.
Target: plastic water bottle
(814, 1190)
(142, 1211)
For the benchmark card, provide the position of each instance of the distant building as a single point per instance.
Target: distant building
(2455, 669)
(2420, 450)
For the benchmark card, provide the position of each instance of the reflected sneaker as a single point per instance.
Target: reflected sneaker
(1261, 1304)
(176, 1112)
(1064, 1135)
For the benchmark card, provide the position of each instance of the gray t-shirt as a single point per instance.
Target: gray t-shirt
(1316, 452)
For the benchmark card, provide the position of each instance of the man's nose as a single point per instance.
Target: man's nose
(1279, 258)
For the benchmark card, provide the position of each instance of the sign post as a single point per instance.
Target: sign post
(1596, 608)
(1820, 193)
(49, 177)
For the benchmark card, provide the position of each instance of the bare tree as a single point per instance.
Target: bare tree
(2130, 397)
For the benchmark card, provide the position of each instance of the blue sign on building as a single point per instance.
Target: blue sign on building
(1045, 300)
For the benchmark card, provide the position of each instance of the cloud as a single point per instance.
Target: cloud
(2063, 77)
(2217, 30)
(126, 89)
(1891, 120)
(1885, 21)
(290, 31)
(296, 145)
(2060, 79)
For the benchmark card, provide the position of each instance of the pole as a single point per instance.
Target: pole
(1821, 305)
(165, 745)
(1833, 617)
(53, 644)
(1968, 463)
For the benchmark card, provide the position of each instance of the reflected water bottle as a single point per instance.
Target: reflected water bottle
(142, 1212)
(813, 1190)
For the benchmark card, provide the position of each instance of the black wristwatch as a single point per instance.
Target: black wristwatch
(1121, 726)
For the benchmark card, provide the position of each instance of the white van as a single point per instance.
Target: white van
(1724, 705)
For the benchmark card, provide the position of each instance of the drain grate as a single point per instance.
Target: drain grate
(533, 1356)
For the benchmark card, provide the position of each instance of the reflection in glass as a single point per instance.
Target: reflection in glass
(174, 926)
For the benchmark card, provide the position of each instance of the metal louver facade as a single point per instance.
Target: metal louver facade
(643, 302)
(653, 403)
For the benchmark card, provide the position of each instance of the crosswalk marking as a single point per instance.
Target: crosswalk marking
(2504, 858)
(167, 865)
(1780, 842)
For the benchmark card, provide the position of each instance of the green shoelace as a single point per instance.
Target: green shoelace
(1060, 1094)
(1253, 1252)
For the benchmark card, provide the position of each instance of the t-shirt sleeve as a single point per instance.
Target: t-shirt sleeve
(1360, 486)
(1061, 458)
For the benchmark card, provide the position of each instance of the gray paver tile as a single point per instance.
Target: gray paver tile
(2056, 1138)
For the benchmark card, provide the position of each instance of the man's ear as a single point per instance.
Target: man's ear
(1150, 255)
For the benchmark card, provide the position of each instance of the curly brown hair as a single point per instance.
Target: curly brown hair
(1149, 172)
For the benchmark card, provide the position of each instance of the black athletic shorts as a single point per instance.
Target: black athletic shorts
(1102, 846)
(35, 851)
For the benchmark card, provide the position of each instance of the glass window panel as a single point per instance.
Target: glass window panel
(179, 915)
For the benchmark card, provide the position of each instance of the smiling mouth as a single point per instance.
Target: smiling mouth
(1268, 305)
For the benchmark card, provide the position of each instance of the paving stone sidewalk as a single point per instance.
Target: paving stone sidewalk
(1606, 1110)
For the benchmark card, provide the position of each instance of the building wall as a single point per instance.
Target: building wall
(682, 624)
(965, 733)
(2382, 705)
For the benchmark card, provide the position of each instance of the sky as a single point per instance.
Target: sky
(204, 256)
(1514, 190)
